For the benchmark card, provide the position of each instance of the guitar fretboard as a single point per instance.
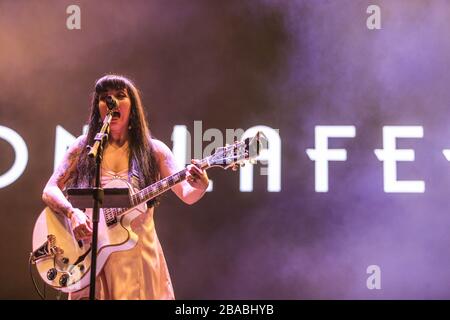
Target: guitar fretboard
(146, 194)
(154, 190)
(158, 187)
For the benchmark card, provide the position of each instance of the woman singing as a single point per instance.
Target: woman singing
(133, 155)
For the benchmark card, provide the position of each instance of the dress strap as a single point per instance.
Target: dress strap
(123, 174)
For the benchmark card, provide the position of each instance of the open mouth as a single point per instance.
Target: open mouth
(116, 114)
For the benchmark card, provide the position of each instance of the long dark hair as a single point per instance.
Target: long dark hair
(142, 162)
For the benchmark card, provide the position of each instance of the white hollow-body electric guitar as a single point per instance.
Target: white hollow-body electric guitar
(64, 263)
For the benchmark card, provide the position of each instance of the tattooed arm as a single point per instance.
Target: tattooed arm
(52, 194)
(190, 190)
(55, 199)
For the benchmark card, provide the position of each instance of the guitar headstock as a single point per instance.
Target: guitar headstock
(238, 153)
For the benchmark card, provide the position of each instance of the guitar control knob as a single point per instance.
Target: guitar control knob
(51, 274)
(65, 260)
(81, 266)
(63, 280)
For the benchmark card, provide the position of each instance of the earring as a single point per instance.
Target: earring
(129, 127)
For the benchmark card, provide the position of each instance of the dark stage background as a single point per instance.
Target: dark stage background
(289, 65)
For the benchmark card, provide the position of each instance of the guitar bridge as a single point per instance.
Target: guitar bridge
(47, 249)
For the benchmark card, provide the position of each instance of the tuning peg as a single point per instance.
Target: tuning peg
(242, 164)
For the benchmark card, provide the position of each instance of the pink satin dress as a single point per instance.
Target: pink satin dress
(140, 273)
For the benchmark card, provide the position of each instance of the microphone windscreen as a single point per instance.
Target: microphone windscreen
(111, 102)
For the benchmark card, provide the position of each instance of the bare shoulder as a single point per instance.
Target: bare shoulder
(161, 148)
(78, 144)
(74, 150)
(68, 163)
(167, 163)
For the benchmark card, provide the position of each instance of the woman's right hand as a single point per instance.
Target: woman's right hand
(81, 225)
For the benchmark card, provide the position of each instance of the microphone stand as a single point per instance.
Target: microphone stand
(96, 151)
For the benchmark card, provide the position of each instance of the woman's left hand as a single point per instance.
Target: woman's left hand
(197, 177)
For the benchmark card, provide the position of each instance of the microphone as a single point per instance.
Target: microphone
(111, 102)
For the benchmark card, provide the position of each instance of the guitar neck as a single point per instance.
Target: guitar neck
(162, 186)
(158, 188)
